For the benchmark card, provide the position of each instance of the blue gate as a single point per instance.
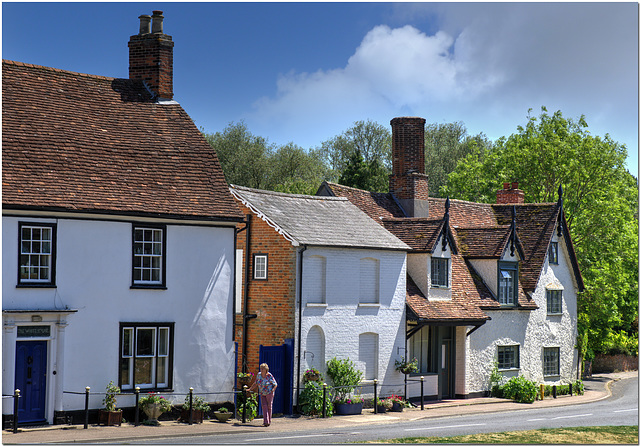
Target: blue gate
(30, 378)
(280, 361)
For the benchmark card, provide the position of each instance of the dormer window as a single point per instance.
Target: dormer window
(507, 283)
(439, 272)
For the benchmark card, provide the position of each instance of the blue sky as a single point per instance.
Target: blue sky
(304, 72)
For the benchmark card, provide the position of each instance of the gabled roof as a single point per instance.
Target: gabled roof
(318, 221)
(74, 142)
(421, 234)
(483, 242)
(376, 205)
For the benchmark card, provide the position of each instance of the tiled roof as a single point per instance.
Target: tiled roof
(419, 233)
(376, 205)
(455, 312)
(81, 143)
(463, 213)
(317, 220)
(483, 242)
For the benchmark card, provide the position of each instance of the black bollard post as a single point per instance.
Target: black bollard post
(570, 389)
(375, 396)
(86, 407)
(244, 406)
(16, 395)
(422, 393)
(190, 405)
(324, 400)
(137, 416)
(555, 394)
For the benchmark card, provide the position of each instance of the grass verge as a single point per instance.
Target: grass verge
(565, 435)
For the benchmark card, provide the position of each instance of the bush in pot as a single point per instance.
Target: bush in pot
(345, 379)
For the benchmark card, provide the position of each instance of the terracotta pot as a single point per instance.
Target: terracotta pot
(198, 416)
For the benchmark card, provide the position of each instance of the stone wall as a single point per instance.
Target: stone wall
(614, 363)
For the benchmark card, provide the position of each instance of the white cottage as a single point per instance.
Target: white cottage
(486, 283)
(118, 233)
(324, 275)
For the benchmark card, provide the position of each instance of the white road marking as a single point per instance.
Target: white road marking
(573, 416)
(537, 419)
(625, 410)
(294, 436)
(443, 427)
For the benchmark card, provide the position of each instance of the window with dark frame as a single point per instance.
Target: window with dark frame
(260, 267)
(553, 253)
(37, 254)
(439, 272)
(507, 283)
(149, 253)
(508, 357)
(554, 301)
(146, 355)
(551, 361)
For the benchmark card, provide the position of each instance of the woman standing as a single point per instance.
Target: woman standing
(267, 389)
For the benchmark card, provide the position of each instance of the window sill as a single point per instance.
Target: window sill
(551, 376)
(316, 305)
(363, 305)
(148, 287)
(554, 314)
(36, 285)
(509, 370)
(441, 287)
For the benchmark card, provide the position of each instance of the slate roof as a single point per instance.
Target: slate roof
(376, 205)
(81, 143)
(317, 220)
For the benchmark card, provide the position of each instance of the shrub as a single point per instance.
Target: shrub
(521, 390)
(198, 404)
(310, 402)
(563, 389)
(250, 404)
(344, 376)
(109, 400)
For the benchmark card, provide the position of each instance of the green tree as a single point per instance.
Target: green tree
(367, 175)
(601, 204)
(371, 139)
(296, 171)
(445, 144)
(244, 157)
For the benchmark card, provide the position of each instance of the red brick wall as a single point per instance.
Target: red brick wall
(407, 151)
(151, 60)
(510, 194)
(614, 363)
(273, 300)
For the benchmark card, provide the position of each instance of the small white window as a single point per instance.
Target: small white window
(260, 267)
(148, 256)
(551, 361)
(554, 301)
(508, 356)
(439, 272)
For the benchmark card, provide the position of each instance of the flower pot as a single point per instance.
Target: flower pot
(348, 409)
(110, 417)
(153, 411)
(406, 370)
(223, 417)
(397, 407)
(381, 409)
(313, 377)
(198, 416)
(244, 381)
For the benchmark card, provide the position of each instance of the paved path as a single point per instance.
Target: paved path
(596, 388)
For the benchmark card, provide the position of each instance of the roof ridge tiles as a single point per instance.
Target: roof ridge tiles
(55, 70)
(286, 195)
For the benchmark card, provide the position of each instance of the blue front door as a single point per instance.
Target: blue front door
(31, 376)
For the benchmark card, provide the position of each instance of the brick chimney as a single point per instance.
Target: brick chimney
(151, 56)
(510, 194)
(408, 182)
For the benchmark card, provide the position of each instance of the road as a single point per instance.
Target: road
(620, 409)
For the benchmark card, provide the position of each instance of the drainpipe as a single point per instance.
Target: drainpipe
(301, 252)
(245, 313)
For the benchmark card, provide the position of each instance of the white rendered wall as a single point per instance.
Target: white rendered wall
(342, 320)
(531, 330)
(94, 277)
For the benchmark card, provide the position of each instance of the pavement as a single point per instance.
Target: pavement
(596, 388)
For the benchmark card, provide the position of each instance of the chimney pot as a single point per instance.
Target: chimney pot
(156, 26)
(514, 185)
(506, 186)
(145, 24)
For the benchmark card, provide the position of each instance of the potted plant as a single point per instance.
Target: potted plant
(405, 366)
(383, 404)
(397, 402)
(200, 407)
(311, 375)
(110, 416)
(244, 378)
(222, 414)
(153, 406)
(345, 378)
